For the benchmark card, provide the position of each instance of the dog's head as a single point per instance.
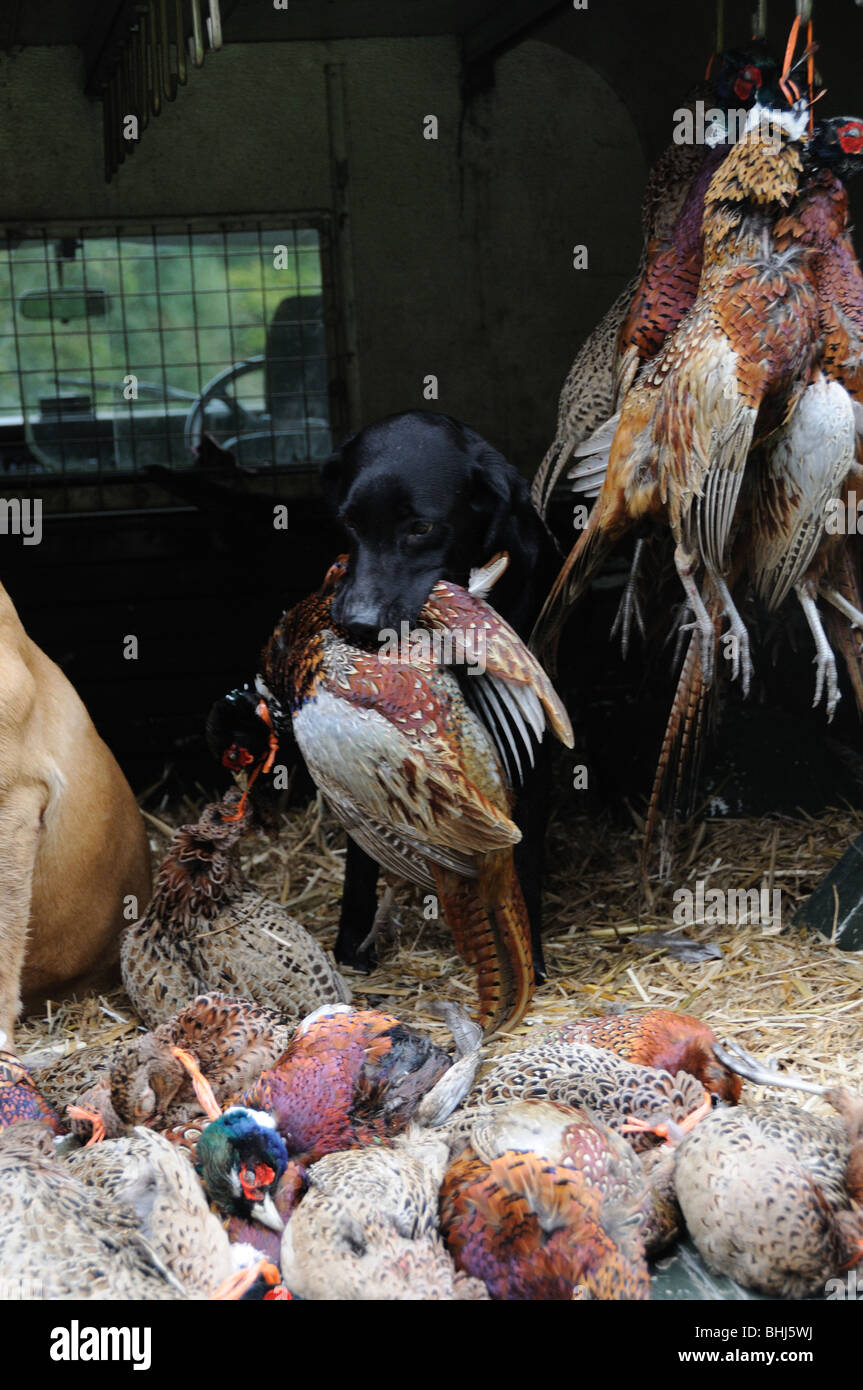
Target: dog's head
(422, 497)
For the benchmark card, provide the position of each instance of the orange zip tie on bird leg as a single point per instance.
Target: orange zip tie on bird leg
(262, 711)
(203, 1089)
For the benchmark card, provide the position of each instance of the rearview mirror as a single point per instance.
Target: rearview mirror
(73, 303)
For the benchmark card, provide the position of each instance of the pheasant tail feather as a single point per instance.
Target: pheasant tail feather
(489, 923)
(682, 741)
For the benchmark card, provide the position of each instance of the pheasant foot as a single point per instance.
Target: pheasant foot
(854, 616)
(703, 622)
(629, 607)
(741, 661)
(826, 681)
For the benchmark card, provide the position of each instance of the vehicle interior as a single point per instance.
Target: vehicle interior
(192, 318)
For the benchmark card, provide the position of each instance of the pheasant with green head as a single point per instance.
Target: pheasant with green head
(241, 1158)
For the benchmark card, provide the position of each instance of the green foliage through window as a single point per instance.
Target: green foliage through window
(107, 341)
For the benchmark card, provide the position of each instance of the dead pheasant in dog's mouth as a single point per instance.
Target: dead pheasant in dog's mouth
(418, 755)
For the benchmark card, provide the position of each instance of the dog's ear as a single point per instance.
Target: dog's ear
(506, 517)
(336, 472)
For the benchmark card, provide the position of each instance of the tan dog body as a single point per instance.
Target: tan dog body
(72, 842)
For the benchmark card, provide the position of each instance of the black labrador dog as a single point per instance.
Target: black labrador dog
(423, 497)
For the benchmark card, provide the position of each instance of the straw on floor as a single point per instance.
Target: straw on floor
(786, 994)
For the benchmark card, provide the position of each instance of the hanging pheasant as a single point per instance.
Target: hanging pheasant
(418, 755)
(665, 284)
(803, 468)
(727, 377)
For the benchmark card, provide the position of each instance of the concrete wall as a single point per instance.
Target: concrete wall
(461, 248)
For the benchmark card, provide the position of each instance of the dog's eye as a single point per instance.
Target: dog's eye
(421, 528)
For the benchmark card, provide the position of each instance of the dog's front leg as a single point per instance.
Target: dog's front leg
(531, 815)
(359, 905)
(20, 823)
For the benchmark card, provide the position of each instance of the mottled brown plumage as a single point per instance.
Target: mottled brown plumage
(141, 1081)
(545, 1202)
(612, 1089)
(368, 1227)
(155, 1178)
(207, 928)
(660, 1038)
(773, 1195)
(63, 1240)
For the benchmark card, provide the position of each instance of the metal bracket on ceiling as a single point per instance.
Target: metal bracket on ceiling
(137, 60)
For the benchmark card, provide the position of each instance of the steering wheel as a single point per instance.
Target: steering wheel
(216, 389)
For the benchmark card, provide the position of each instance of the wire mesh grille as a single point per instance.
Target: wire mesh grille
(151, 345)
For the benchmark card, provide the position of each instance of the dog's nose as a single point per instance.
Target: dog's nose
(363, 623)
(364, 633)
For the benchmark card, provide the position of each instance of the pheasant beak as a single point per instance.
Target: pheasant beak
(264, 1210)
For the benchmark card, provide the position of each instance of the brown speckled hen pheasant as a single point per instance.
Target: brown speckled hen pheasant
(773, 1195)
(207, 928)
(546, 1203)
(418, 779)
(368, 1227)
(141, 1081)
(153, 1177)
(625, 1096)
(728, 376)
(659, 1038)
(665, 284)
(61, 1239)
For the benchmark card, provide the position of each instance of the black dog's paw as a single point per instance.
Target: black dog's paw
(540, 973)
(362, 961)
